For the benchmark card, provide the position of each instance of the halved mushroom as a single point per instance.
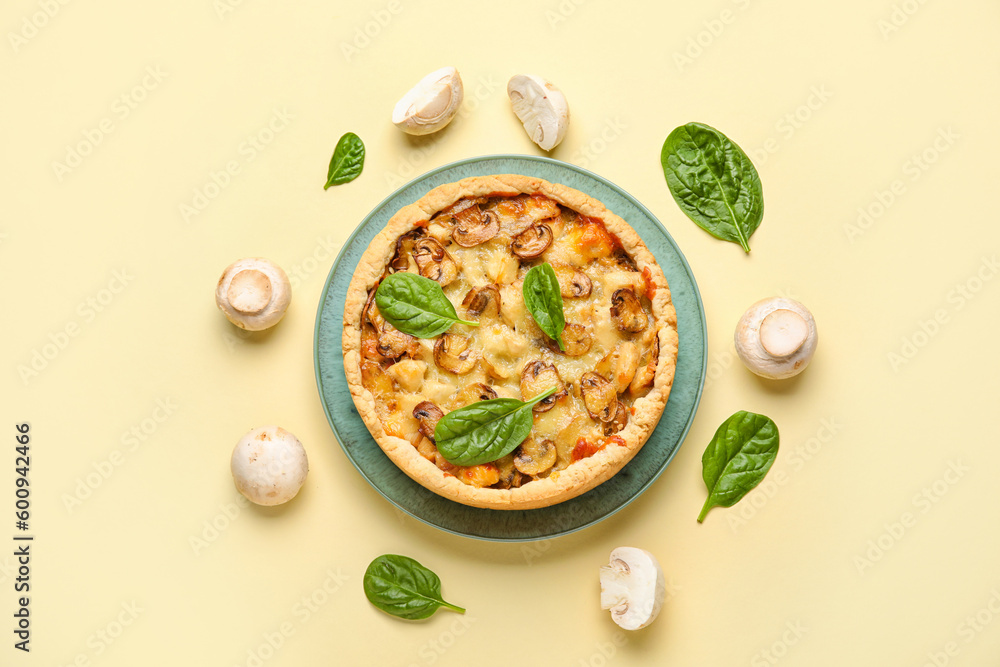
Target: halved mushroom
(619, 422)
(599, 396)
(576, 338)
(532, 242)
(473, 393)
(453, 354)
(620, 365)
(393, 343)
(433, 262)
(473, 227)
(428, 415)
(627, 311)
(535, 456)
(536, 378)
(572, 283)
(483, 300)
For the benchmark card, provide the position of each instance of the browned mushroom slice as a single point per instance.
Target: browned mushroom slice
(428, 415)
(404, 249)
(572, 283)
(627, 312)
(619, 422)
(623, 260)
(510, 477)
(516, 214)
(535, 456)
(532, 242)
(647, 370)
(620, 365)
(393, 343)
(433, 262)
(536, 378)
(370, 312)
(483, 300)
(453, 354)
(576, 338)
(474, 393)
(599, 396)
(473, 227)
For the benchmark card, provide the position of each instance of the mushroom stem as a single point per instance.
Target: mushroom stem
(783, 332)
(249, 291)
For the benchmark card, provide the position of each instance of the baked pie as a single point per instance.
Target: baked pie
(611, 375)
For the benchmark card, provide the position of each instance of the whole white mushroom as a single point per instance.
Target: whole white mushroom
(254, 293)
(431, 104)
(269, 465)
(776, 338)
(541, 108)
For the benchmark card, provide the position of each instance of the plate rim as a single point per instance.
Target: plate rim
(559, 164)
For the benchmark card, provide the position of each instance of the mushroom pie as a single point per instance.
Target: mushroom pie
(515, 304)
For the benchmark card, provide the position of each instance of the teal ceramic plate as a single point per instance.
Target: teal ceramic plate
(517, 525)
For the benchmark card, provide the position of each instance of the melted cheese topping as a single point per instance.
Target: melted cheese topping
(505, 343)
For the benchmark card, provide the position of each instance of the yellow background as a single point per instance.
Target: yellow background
(838, 559)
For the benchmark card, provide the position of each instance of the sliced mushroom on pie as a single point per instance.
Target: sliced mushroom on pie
(613, 373)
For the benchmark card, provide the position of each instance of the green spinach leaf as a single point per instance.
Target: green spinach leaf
(347, 162)
(416, 305)
(485, 431)
(714, 182)
(544, 301)
(740, 454)
(401, 586)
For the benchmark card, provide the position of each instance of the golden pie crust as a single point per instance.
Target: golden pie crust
(580, 476)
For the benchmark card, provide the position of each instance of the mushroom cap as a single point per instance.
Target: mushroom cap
(269, 465)
(541, 108)
(431, 104)
(633, 587)
(776, 338)
(253, 293)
